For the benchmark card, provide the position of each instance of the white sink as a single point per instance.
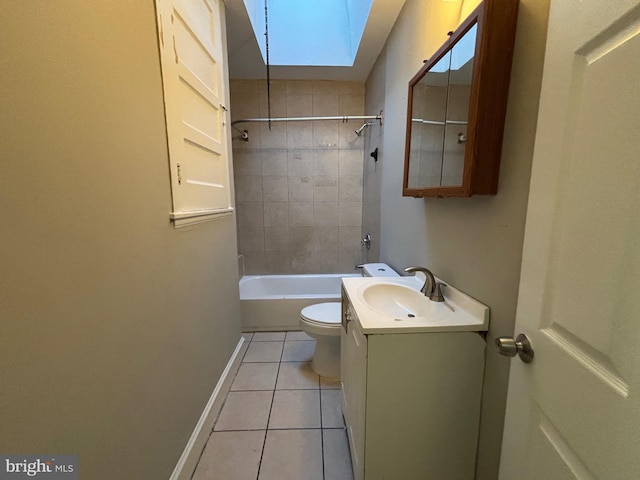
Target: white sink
(396, 305)
(395, 300)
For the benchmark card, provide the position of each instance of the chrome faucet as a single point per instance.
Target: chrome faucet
(430, 288)
(429, 282)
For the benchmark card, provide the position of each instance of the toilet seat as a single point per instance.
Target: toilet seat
(323, 314)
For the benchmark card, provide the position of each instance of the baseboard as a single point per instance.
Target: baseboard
(191, 455)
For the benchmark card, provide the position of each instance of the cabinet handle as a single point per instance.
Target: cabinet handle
(348, 314)
(346, 317)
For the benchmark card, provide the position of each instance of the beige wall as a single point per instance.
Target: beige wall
(298, 185)
(473, 243)
(115, 326)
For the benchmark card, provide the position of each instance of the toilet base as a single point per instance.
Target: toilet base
(326, 358)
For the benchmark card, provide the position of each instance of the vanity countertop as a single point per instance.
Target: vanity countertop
(396, 305)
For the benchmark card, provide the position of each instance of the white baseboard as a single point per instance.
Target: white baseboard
(191, 455)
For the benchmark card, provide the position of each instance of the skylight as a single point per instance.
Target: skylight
(310, 32)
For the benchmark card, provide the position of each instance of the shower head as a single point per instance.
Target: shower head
(361, 129)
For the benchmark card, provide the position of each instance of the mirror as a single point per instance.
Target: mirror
(428, 126)
(457, 103)
(459, 91)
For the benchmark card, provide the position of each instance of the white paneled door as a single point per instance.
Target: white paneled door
(192, 51)
(574, 412)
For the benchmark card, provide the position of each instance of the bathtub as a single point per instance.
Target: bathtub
(273, 302)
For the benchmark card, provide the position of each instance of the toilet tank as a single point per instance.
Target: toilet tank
(378, 270)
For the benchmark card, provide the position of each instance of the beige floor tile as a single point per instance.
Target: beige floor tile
(245, 411)
(268, 336)
(298, 336)
(298, 351)
(295, 409)
(292, 455)
(263, 352)
(256, 376)
(297, 376)
(337, 461)
(331, 408)
(231, 455)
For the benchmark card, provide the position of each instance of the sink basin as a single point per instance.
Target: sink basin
(396, 305)
(396, 301)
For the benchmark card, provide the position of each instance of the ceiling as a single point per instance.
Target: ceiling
(245, 60)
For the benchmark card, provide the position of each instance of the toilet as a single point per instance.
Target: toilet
(322, 322)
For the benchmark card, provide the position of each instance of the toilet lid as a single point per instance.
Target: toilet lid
(327, 313)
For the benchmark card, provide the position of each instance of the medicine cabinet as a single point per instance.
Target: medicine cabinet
(457, 106)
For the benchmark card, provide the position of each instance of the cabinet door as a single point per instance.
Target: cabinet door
(193, 54)
(354, 385)
(458, 154)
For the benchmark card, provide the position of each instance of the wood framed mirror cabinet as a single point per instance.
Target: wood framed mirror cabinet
(457, 107)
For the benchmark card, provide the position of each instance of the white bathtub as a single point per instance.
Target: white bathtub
(273, 302)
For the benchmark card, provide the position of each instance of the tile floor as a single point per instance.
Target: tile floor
(280, 420)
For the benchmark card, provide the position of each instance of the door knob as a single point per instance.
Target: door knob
(521, 346)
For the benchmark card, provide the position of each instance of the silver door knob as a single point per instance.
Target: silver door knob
(521, 346)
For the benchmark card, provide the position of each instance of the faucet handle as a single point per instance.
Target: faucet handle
(437, 296)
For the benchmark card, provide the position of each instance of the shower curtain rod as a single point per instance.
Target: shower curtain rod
(343, 118)
(434, 122)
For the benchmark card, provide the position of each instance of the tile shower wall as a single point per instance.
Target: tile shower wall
(298, 185)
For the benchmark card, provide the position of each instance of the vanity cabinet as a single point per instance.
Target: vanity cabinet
(411, 401)
(353, 371)
(457, 107)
